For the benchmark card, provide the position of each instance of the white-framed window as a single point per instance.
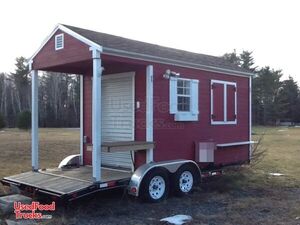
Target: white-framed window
(183, 95)
(223, 102)
(184, 99)
(59, 41)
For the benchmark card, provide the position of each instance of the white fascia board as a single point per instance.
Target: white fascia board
(71, 33)
(43, 44)
(157, 59)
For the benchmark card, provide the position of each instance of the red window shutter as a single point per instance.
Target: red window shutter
(217, 113)
(231, 89)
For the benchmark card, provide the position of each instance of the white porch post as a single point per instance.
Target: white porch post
(81, 120)
(149, 110)
(96, 115)
(250, 117)
(34, 121)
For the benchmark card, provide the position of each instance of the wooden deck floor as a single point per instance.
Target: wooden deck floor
(84, 173)
(65, 181)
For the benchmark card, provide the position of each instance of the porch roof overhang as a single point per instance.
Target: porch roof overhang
(114, 46)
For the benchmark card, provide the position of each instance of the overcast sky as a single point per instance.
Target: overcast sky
(271, 29)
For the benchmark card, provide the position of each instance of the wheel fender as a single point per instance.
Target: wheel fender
(71, 160)
(137, 177)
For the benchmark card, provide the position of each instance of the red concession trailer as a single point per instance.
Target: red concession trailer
(153, 119)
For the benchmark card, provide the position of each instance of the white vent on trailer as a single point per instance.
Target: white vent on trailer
(59, 41)
(205, 151)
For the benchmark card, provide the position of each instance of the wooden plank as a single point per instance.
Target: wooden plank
(126, 146)
(63, 175)
(49, 182)
(21, 175)
(85, 174)
(66, 185)
(28, 183)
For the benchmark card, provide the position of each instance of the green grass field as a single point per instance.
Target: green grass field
(282, 146)
(15, 149)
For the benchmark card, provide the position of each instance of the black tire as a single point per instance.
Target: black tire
(148, 193)
(182, 186)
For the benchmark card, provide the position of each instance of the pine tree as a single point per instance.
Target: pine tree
(21, 82)
(232, 57)
(287, 100)
(2, 123)
(247, 61)
(24, 120)
(266, 88)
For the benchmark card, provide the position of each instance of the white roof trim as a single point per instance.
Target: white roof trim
(71, 33)
(154, 59)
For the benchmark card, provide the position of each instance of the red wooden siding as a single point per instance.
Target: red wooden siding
(140, 114)
(229, 155)
(176, 139)
(73, 51)
(87, 117)
(218, 102)
(231, 103)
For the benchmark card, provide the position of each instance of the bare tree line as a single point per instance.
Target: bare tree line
(59, 97)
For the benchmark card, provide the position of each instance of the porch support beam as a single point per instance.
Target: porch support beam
(96, 114)
(34, 121)
(149, 111)
(250, 117)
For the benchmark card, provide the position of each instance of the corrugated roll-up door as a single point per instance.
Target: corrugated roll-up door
(118, 116)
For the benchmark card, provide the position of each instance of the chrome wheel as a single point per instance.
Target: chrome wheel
(186, 181)
(157, 187)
